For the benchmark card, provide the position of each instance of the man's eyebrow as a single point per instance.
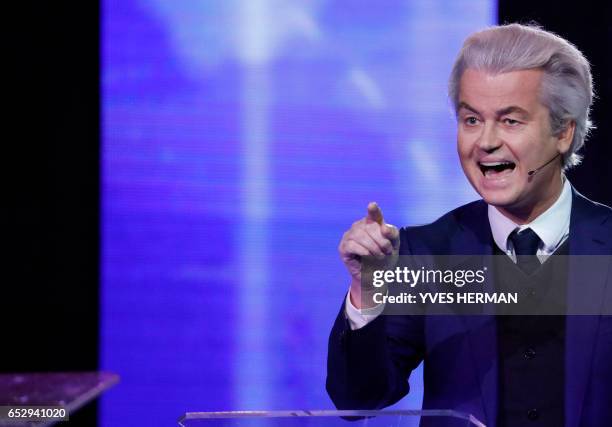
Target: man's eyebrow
(468, 107)
(513, 109)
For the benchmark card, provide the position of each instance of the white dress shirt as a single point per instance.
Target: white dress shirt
(552, 227)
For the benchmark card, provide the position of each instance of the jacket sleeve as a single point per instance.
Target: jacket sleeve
(368, 368)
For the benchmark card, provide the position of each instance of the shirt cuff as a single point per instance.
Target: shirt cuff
(359, 318)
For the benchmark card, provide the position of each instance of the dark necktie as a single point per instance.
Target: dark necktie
(526, 243)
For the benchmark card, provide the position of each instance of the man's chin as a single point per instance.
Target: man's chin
(499, 199)
(504, 193)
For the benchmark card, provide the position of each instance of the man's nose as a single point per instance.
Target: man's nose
(489, 139)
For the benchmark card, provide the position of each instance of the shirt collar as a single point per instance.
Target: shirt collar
(552, 226)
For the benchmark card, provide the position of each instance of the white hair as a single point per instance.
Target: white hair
(567, 87)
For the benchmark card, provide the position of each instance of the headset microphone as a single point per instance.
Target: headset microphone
(533, 172)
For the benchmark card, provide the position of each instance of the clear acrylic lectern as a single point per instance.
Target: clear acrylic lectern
(330, 418)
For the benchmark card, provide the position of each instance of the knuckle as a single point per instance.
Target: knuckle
(373, 227)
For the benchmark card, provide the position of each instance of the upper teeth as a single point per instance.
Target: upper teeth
(494, 163)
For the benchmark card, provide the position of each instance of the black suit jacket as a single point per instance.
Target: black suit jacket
(369, 368)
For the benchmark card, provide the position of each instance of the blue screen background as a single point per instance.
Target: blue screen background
(241, 138)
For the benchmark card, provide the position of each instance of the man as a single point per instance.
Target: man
(522, 97)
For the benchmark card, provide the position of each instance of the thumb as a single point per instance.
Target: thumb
(374, 213)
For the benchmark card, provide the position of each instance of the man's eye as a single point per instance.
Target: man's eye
(471, 121)
(511, 122)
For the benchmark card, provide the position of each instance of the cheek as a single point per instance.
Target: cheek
(523, 152)
(464, 148)
(529, 145)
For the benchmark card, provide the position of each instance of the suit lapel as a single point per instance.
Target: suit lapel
(586, 238)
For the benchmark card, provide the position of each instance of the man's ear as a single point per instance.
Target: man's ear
(565, 137)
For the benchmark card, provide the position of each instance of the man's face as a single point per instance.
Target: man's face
(503, 133)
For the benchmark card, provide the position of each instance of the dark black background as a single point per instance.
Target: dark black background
(587, 24)
(50, 170)
(50, 177)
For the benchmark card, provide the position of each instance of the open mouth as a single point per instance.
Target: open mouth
(496, 168)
